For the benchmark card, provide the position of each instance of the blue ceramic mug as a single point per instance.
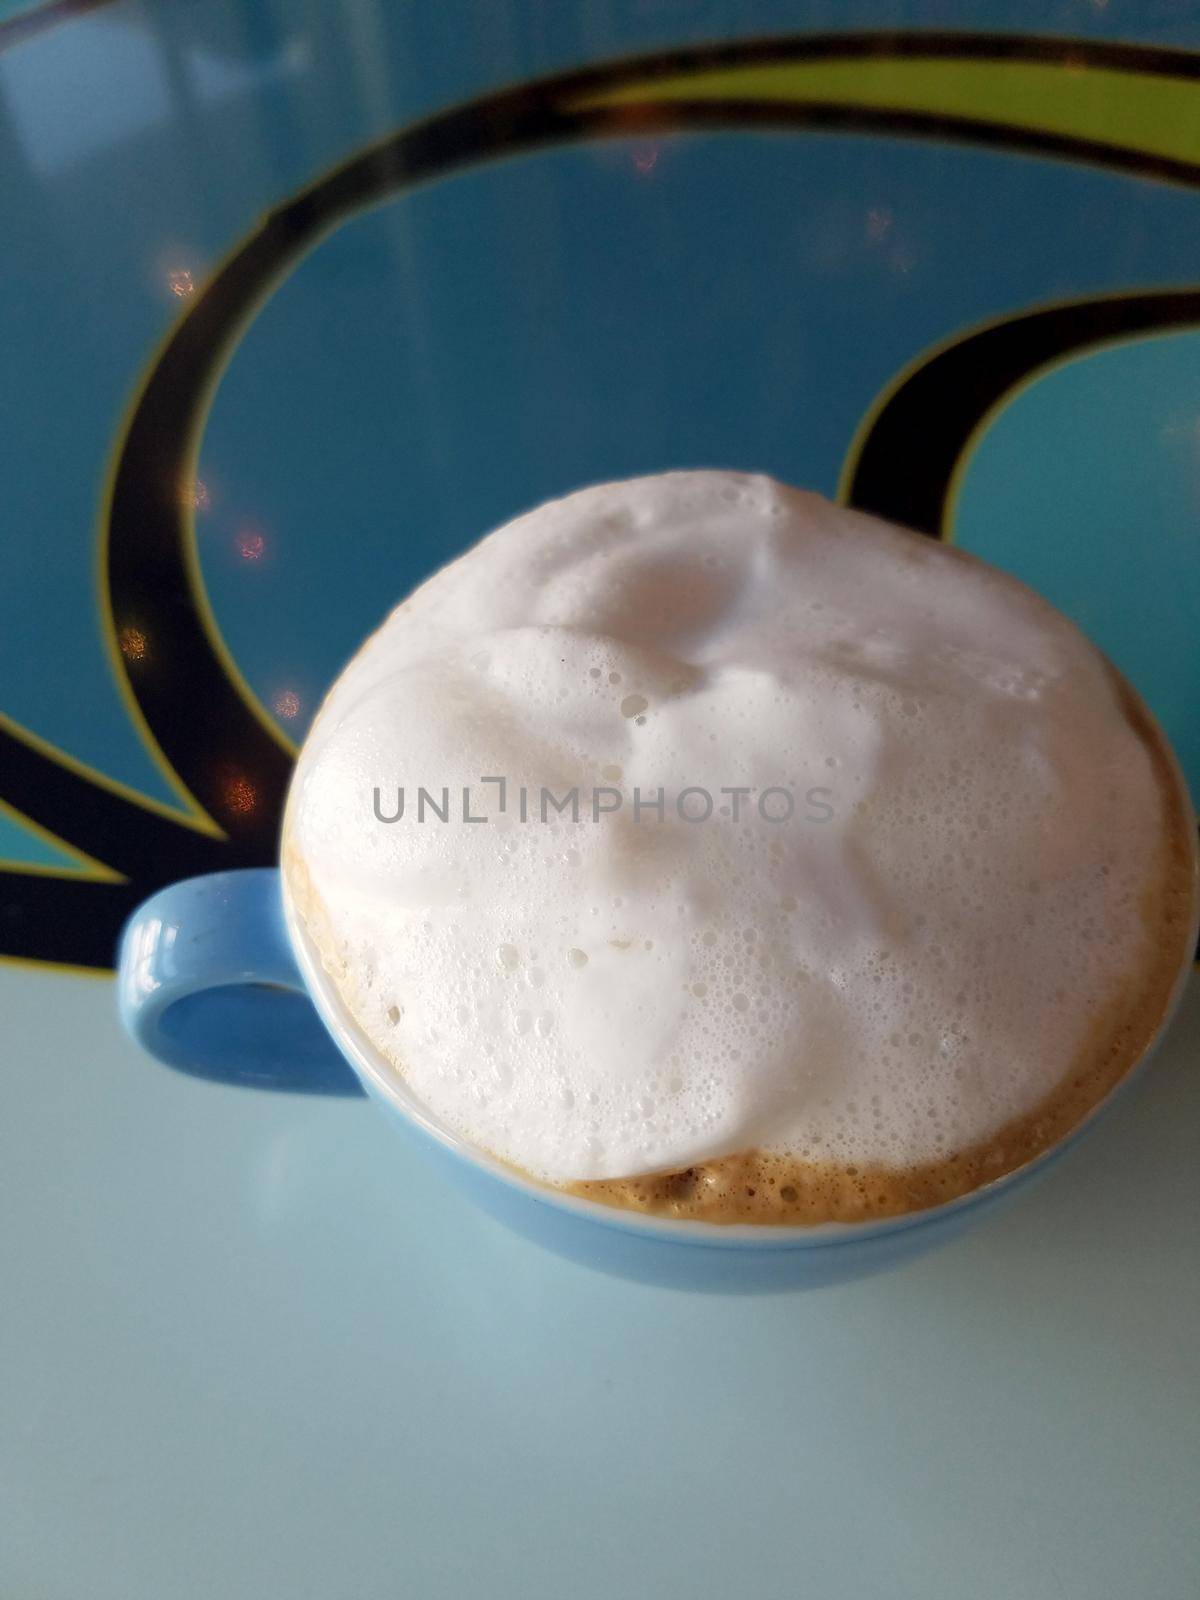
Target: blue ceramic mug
(218, 977)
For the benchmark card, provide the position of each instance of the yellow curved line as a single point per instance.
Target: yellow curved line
(59, 968)
(1121, 108)
(92, 775)
(89, 870)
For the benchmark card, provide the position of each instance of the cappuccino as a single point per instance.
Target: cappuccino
(862, 877)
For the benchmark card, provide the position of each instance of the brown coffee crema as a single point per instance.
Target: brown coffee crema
(758, 1186)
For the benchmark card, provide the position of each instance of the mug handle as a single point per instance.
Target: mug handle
(207, 982)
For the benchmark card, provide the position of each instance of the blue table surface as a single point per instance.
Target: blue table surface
(250, 1345)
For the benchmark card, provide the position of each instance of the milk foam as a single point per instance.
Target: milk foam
(603, 999)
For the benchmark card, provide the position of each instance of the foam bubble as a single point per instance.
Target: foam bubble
(601, 999)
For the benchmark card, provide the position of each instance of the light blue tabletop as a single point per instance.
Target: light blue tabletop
(251, 1346)
(267, 357)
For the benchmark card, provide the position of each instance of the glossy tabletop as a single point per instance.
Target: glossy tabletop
(250, 1344)
(296, 300)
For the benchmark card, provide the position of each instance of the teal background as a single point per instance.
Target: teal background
(247, 1344)
(1106, 526)
(366, 427)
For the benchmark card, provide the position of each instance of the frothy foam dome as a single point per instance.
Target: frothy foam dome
(908, 963)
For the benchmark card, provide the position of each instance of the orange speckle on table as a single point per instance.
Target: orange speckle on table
(240, 796)
(133, 644)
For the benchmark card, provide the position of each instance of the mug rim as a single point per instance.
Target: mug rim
(385, 1082)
